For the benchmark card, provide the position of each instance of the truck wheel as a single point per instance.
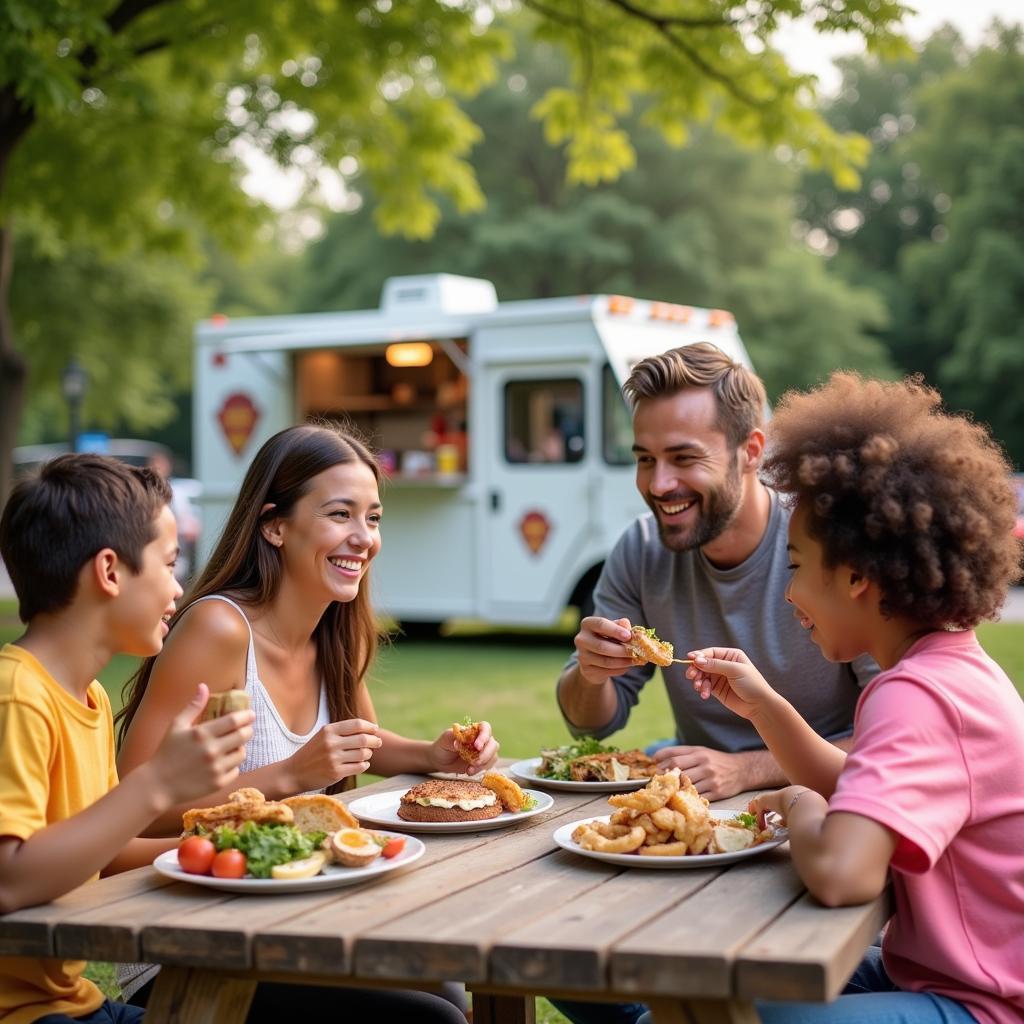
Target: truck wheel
(420, 630)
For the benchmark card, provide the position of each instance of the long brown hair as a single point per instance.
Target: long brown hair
(246, 566)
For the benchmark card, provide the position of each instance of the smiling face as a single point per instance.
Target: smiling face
(146, 600)
(333, 532)
(685, 469)
(822, 598)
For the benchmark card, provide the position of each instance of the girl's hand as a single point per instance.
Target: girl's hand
(338, 750)
(780, 802)
(728, 675)
(443, 756)
(194, 760)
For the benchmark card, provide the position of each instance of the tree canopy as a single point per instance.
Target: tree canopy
(122, 122)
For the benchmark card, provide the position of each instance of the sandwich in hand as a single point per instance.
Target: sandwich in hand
(644, 646)
(449, 800)
(465, 734)
(224, 703)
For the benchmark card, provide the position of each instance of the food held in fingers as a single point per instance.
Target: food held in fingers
(644, 646)
(224, 703)
(508, 792)
(449, 800)
(465, 734)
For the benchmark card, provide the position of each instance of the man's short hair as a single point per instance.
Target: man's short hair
(739, 394)
(72, 508)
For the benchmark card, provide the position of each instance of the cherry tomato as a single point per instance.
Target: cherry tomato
(195, 855)
(229, 864)
(393, 847)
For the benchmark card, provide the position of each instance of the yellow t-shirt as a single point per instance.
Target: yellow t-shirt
(56, 758)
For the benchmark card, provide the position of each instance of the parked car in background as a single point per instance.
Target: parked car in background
(128, 449)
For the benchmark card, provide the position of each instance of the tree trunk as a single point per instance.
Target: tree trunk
(15, 121)
(13, 370)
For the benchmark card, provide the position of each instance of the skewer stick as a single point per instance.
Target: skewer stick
(682, 661)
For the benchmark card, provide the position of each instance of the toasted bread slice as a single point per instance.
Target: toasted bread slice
(645, 647)
(243, 805)
(224, 703)
(317, 812)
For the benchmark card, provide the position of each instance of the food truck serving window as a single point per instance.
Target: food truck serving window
(544, 421)
(616, 422)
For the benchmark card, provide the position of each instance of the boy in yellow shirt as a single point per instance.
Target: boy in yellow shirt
(90, 545)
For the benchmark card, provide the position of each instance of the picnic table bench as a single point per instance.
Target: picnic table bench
(505, 911)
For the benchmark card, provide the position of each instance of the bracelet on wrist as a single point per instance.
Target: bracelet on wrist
(792, 803)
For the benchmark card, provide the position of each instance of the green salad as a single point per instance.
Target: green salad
(266, 846)
(557, 762)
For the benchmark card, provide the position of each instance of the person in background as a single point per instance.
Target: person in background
(706, 564)
(900, 544)
(90, 544)
(283, 610)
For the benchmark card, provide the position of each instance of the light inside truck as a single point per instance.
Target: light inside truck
(409, 353)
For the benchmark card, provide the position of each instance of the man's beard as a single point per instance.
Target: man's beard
(716, 511)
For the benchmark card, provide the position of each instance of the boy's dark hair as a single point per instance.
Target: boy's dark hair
(739, 394)
(914, 498)
(73, 507)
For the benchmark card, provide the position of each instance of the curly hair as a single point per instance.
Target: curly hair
(914, 498)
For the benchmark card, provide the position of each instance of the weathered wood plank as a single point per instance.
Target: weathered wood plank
(114, 932)
(568, 947)
(321, 941)
(810, 952)
(494, 1009)
(183, 996)
(30, 932)
(690, 950)
(452, 938)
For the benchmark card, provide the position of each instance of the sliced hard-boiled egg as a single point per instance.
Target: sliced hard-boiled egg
(305, 868)
(353, 847)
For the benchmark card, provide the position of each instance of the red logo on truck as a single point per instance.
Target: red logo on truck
(238, 417)
(535, 528)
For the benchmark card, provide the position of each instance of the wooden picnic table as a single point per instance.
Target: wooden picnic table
(505, 911)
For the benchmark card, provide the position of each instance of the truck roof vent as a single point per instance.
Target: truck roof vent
(444, 294)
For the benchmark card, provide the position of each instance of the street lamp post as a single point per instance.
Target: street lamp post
(73, 382)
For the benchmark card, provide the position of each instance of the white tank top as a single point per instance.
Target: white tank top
(272, 740)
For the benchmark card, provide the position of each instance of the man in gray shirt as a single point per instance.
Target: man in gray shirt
(707, 566)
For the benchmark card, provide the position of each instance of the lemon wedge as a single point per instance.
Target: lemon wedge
(305, 868)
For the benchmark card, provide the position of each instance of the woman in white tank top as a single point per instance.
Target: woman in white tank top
(283, 610)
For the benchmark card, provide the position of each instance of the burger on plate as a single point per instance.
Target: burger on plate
(449, 800)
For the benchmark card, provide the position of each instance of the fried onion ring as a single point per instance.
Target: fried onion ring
(664, 850)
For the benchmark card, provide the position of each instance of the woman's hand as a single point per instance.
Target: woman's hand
(338, 750)
(729, 676)
(444, 758)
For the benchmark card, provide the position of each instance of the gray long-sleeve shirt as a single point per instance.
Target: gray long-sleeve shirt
(692, 604)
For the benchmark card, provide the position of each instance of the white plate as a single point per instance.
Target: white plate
(333, 876)
(382, 809)
(563, 837)
(527, 771)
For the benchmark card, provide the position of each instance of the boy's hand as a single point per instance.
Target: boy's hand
(194, 760)
(728, 675)
(445, 758)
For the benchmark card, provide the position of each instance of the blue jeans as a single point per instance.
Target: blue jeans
(108, 1013)
(869, 998)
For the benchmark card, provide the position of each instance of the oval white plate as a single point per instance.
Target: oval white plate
(333, 876)
(527, 771)
(382, 809)
(563, 837)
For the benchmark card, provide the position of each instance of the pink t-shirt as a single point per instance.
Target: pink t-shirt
(938, 758)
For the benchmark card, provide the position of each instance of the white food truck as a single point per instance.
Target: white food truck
(501, 427)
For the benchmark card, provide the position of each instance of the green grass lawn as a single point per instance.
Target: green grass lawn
(420, 687)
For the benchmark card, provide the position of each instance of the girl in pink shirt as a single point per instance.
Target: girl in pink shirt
(901, 542)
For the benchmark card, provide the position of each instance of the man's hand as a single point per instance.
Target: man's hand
(716, 774)
(600, 645)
